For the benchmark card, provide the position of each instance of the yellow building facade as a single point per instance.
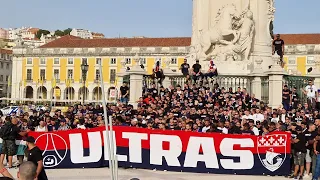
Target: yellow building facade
(54, 71)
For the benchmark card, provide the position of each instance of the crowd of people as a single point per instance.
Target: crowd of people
(194, 107)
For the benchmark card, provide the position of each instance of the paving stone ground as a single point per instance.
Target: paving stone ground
(127, 174)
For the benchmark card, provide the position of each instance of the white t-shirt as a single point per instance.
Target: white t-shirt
(311, 91)
(247, 117)
(255, 131)
(224, 130)
(204, 129)
(258, 117)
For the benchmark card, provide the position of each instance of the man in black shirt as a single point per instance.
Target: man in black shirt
(9, 144)
(316, 147)
(35, 156)
(286, 98)
(124, 93)
(299, 150)
(278, 47)
(196, 71)
(185, 68)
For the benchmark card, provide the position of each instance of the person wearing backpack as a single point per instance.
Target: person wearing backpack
(9, 133)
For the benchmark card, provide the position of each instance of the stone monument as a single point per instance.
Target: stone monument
(234, 33)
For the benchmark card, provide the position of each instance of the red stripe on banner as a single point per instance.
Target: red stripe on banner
(278, 142)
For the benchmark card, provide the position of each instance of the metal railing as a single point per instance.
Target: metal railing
(299, 83)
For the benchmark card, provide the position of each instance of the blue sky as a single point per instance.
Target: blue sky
(151, 18)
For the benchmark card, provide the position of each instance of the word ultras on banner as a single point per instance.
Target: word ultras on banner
(168, 150)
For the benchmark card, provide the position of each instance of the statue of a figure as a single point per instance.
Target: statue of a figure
(220, 33)
(246, 31)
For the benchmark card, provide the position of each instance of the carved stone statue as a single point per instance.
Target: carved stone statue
(230, 36)
(221, 32)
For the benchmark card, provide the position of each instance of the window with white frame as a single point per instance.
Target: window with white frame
(97, 74)
(7, 78)
(70, 73)
(56, 61)
(113, 61)
(112, 75)
(128, 60)
(8, 56)
(42, 74)
(29, 60)
(8, 66)
(2, 56)
(42, 61)
(173, 60)
(98, 61)
(56, 73)
(70, 60)
(29, 74)
(292, 60)
(1, 78)
(2, 66)
(143, 61)
(310, 60)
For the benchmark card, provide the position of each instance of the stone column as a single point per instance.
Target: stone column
(136, 77)
(316, 74)
(16, 78)
(76, 95)
(275, 83)
(121, 74)
(256, 82)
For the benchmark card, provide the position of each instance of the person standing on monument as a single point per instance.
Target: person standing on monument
(278, 47)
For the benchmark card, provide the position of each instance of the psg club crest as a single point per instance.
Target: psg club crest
(272, 150)
(52, 156)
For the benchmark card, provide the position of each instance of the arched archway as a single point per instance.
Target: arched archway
(56, 93)
(112, 94)
(42, 93)
(97, 93)
(69, 93)
(83, 92)
(28, 92)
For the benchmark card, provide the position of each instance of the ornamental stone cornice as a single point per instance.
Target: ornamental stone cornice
(302, 49)
(143, 51)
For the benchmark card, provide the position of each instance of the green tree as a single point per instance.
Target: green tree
(67, 31)
(59, 33)
(42, 31)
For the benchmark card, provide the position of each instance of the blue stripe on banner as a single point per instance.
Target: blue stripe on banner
(51, 157)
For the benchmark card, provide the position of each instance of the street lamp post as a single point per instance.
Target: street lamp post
(84, 69)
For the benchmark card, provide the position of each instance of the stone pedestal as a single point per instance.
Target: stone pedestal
(316, 74)
(136, 82)
(276, 74)
(256, 82)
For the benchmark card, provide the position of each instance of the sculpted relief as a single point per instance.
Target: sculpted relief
(229, 37)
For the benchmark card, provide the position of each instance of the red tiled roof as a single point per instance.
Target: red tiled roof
(33, 30)
(5, 51)
(301, 38)
(75, 42)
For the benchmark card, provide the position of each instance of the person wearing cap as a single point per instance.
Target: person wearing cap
(299, 153)
(35, 156)
(63, 125)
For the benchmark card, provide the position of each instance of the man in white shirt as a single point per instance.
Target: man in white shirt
(311, 92)
(247, 115)
(206, 126)
(258, 116)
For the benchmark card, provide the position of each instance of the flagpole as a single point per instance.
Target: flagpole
(109, 139)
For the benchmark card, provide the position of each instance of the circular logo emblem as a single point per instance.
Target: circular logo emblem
(54, 149)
